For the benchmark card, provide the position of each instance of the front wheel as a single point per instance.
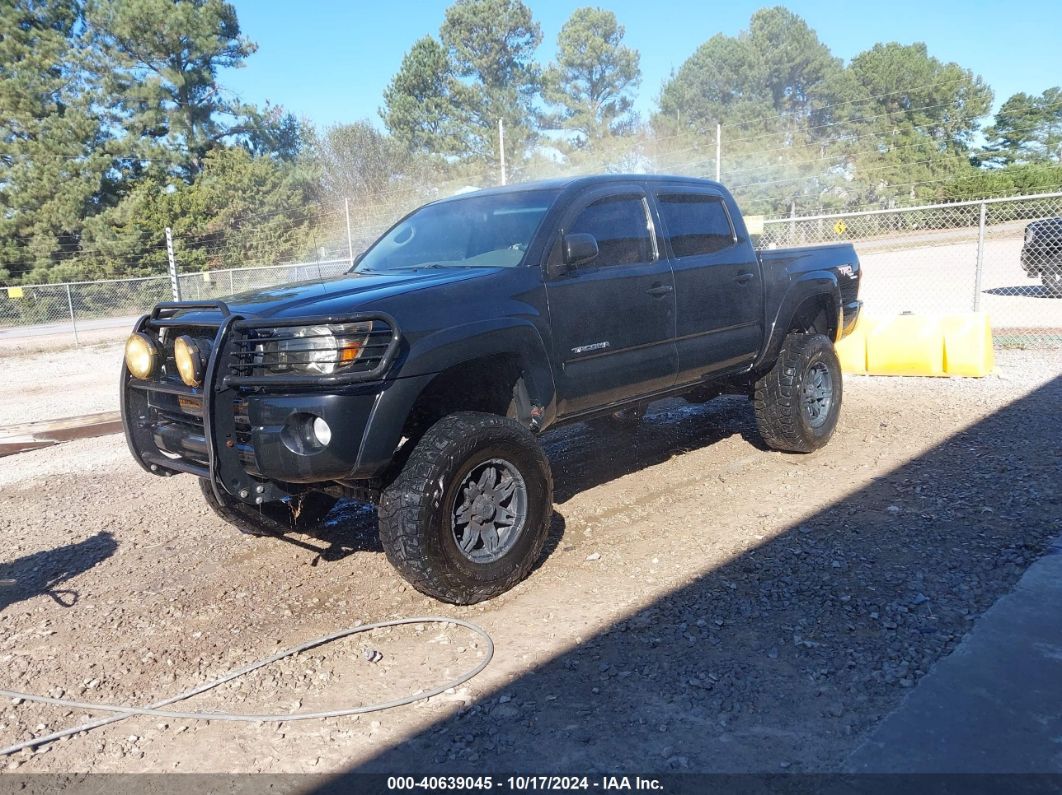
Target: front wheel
(468, 515)
(301, 513)
(798, 401)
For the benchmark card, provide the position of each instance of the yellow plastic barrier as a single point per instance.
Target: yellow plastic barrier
(919, 345)
(968, 345)
(852, 350)
(906, 345)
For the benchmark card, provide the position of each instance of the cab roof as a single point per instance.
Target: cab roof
(580, 182)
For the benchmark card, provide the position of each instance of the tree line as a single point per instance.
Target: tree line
(115, 123)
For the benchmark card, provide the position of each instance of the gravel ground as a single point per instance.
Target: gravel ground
(50, 384)
(704, 605)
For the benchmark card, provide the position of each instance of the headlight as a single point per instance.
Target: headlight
(189, 359)
(1030, 234)
(141, 355)
(317, 350)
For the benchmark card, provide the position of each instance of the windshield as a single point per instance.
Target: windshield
(478, 231)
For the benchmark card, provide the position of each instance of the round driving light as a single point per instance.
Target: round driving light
(141, 355)
(189, 360)
(321, 432)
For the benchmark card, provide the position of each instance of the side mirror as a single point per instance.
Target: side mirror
(579, 249)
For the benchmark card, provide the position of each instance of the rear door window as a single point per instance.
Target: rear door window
(696, 224)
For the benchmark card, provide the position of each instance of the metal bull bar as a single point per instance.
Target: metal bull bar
(220, 390)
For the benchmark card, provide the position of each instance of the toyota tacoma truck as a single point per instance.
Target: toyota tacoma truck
(420, 379)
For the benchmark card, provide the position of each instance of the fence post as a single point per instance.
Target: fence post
(718, 151)
(978, 271)
(350, 239)
(232, 283)
(175, 283)
(73, 320)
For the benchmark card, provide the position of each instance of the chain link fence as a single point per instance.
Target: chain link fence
(998, 256)
(83, 309)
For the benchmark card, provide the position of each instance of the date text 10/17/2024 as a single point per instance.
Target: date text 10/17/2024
(523, 783)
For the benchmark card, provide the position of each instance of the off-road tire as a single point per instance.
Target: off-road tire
(778, 397)
(303, 513)
(416, 509)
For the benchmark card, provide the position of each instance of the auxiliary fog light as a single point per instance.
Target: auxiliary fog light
(321, 432)
(189, 360)
(141, 355)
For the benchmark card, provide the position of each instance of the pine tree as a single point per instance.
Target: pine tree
(593, 77)
(159, 60)
(420, 106)
(492, 45)
(53, 167)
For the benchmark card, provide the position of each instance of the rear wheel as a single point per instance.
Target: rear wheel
(798, 401)
(468, 515)
(300, 513)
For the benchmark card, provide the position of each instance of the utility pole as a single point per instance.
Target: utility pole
(175, 283)
(350, 240)
(718, 151)
(501, 147)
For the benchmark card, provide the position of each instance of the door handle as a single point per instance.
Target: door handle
(660, 290)
(744, 278)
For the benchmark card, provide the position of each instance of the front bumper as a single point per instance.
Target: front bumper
(240, 430)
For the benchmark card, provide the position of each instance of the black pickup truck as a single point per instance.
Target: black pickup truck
(420, 379)
(1041, 255)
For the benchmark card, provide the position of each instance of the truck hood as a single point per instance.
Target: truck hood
(350, 291)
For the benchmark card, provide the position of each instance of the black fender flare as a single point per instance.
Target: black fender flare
(478, 339)
(810, 285)
(438, 351)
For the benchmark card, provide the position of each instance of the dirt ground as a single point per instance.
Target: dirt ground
(704, 605)
(56, 383)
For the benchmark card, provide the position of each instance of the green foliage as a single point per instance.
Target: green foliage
(114, 124)
(1027, 129)
(805, 132)
(53, 150)
(593, 77)
(159, 61)
(491, 44)
(1015, 180)
(110, 114)
(420, 103)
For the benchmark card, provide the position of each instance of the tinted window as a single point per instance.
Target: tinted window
(695, 224)
(621, 228)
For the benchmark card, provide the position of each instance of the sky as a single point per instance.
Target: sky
(329, 61)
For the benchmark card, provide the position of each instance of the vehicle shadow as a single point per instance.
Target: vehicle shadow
(1023, 291)
(781, 658)
(350, 527)
(586, 455)
(353, 526)
(42, 572)
(581, 456)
